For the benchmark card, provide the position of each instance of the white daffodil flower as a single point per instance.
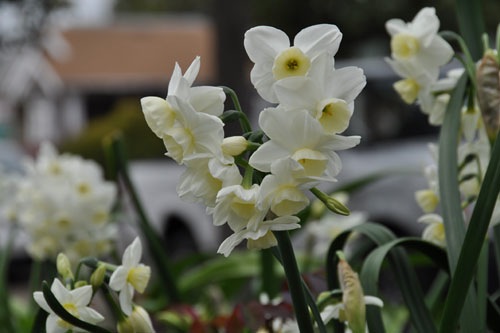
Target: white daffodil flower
(194, 134)
(130, 275)
(328, 95)
(159, 113)
(274, 58)
(259, 236)
(418, 42)
(73, 301)
(204, 178)
(415, 82)
(282, 192)
(297, 135)
(237, 206)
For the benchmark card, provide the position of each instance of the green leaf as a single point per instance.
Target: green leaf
(473, 242)
(448, 174)
(471, 25)
(408, 283)
(405, 275)
(65, 315)
(237, 266)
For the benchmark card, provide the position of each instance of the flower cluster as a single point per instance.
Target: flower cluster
(417, 53)
(75, 295)
(315, 102)
(63, 204)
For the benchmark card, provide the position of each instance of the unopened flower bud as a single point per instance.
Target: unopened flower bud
(331, 202)
(80, 283)
(64, 266)
(97, 277)
(352, 297)
(488, 93)
(234, 145)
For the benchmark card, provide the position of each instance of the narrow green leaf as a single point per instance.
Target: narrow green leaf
(404, 273)
(482, 287)
(409, 285)
(219, 269)
(473, 242)
(448, 174)
(471, 24)
(65, 315)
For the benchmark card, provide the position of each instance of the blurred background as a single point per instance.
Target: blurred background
(74, 71)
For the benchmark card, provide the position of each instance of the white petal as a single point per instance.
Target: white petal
(395, 26)
(231, 242)
(60, 292)
(51, 325)
(82, 295)
(118, 279)
(372, 300)
(133, 253)
(90, 315)
(263, 157)
(297, 92)
(262, 78)
(263, 43)
(207, 99)
(40, 300)
(192, 71)
(319, 38)
(425, 25)
(345, 83)
(125, 298)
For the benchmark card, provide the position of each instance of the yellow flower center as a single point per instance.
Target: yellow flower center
(334, 115)
(313, 162)
(408, 89)
(291, 62)
(138, 277)
(242, 208)
(83, 188)
(404, 46)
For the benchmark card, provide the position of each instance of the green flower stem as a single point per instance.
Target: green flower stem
(496, 244)
(294, 282)
(469, 62)
(167, 282)
(268, 274)
(244, 122)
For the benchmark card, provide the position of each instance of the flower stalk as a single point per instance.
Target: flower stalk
(294, 281)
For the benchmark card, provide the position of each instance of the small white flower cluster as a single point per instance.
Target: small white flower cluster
(302, 132)
(76, 296)
(63, 204)
(417, 53)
